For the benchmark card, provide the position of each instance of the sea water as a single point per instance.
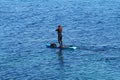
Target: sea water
(26, 26)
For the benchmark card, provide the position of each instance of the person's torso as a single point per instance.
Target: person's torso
(59, 29)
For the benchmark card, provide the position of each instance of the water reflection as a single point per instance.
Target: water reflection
(60, 58)
(61, 63)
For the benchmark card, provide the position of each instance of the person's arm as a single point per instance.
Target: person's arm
(56, 30)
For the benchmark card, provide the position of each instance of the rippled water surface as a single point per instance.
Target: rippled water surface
(26, 26)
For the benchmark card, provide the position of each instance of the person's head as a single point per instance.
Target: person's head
(53, 45)
(59, 25)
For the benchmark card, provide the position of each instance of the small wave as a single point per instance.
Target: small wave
(107, 59)
(98, 48)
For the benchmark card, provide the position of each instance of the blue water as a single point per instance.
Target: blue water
(26, 26)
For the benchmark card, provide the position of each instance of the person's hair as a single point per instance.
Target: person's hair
(59, 26)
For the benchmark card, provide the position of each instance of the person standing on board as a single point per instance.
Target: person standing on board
(59, 32)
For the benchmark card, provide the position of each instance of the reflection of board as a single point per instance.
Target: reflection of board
(63, 47)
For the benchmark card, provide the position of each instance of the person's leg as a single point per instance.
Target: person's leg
(60, 43)
(60, 40)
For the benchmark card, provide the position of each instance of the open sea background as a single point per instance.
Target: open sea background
(26, 26)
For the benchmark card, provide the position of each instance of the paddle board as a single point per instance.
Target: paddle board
(63, 47)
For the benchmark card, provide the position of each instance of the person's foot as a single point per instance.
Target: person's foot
(61, 46)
